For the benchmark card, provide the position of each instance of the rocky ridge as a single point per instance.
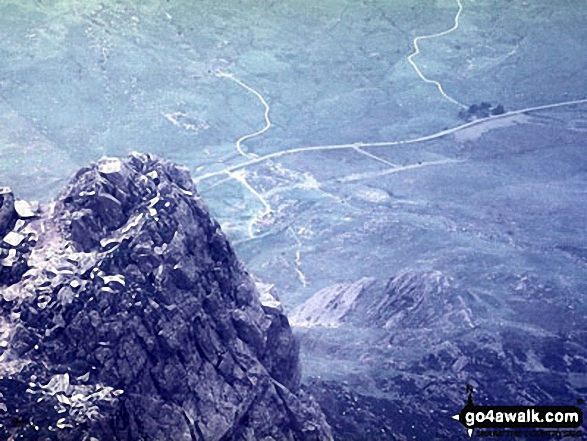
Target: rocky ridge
(412, 300)
(392, 360)
(127, 316)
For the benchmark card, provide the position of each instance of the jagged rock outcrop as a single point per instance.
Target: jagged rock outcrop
(333, 305)
(14, 246)
(419, 300)
(134, 320)
(414, 343)
(412, 300)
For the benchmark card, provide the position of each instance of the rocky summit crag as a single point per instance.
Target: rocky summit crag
(127, 316)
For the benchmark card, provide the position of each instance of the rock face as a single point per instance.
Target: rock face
(13, 246)
(412, 300)
(412, 344)
(134, 320)
(333, 305)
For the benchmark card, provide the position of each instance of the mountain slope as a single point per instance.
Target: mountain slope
(135, 320)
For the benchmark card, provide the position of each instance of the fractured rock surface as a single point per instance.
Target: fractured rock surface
(129, 317)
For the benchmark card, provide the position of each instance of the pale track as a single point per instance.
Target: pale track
(417, 51)
(394, 170)
(376, 158)
(232, 172)
(266, 207)
(266, 114)
(242, 176)
(298, 259)
(356, 145)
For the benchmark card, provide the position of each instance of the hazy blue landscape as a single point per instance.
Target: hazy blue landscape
(436, 244)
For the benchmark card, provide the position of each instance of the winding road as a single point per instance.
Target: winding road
(380, 144)
(417, 51)
(241, 176)
(266, 115)
(238, 171)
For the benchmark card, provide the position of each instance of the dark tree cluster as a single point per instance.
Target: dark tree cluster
(483, 110)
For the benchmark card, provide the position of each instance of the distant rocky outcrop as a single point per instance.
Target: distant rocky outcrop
(412, 300)
(333, 305)
(125, 315)
(418, 300)
(403, 347)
